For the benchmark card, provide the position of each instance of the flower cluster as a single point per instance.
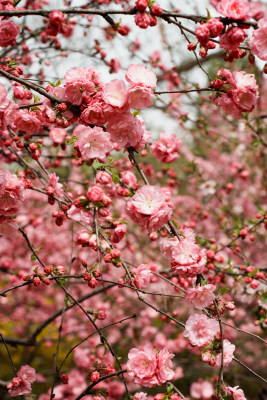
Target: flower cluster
(149, 208)
(22, 383)
(149, 367)
(241, 92)
(166, 148)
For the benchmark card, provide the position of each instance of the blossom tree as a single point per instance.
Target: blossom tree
(133, 200)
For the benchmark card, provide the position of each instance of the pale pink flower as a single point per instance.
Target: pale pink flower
(11, 193)
(128, 178)
(92, 142)
(76, 91)
(165, 372)
(228, 105)
(258, 43)
(201, 390)
(8, 33)
(200, 330)
(200, 296)
(167, 245)
(245, 90)
(96, 111)
(166, 148)
(23, 120)
(139, 75)
(148, 208)
(236, 392)
(236, 9)
(80, 215)
(115, 93)
(82, 74)
(188, 259)
(22, 383)
(228, 354)
(4, 98)
(139, 97)
(232, 38)
(256, 11)
(125, 129)
(53, 181)
(8, 227)
(58, 135)
(142, 365)
(142, 276)
(140, 396)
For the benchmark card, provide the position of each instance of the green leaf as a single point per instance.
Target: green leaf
(67, 302)
(223, 290)
(169, 388)
(96, 165)
(135, 113)
(115, 175)
(203, 283)
(36, 98)
(99, 345)
(208, 14)
(73, 139)
(244, 115)
(33, 258)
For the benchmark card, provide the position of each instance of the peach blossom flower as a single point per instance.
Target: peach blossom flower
(115, 93)
(148, 208)
(200, 296)
(139, 75)
(228, 354)
(11, 193)
(201, 390)
(200, 330)
(8, 33)
(142, 276)
(236, 392)
(92, 142)
(166, 148)
(258, 43)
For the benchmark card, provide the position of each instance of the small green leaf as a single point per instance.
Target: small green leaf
(223, 290)
(96, 165)
(115, 175)
(135, 113)
(170, 388)
(99, 345)
(208, 14)
(33, 258)
(73, 139)
(36, 98)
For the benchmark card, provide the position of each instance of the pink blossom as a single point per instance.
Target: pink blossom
(128, 178)
(139, 97)
(53, 182)
(8, 33)
(118, 233)
(94, 193)
(258, 43)
(167, 245)
(166, 148)
(232, 38)
(115, 93)
(142, 20)
(58, 135)
(8, 227)
(125, 129)
(96, 111)
(75, 91)
(245, 90)
(228, 354)
(142, 365)
(92, 142)
(200, 330)
(82, 74)
(138, 75)
(140, 396)
(188, 259)
(201, 390)
(148, 208)
(26, 121)
(236, 9)
(80, 215)
(149, 368)
(200, 296)
(228, 105)
(256, 11)
(56, 17)
(11, 193)
(22, 384)
(142, 276)
(165, 372)
(236, 392)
